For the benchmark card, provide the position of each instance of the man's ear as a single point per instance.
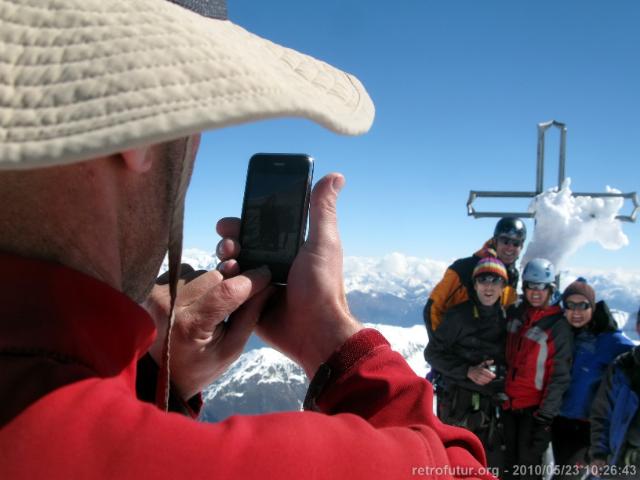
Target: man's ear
(138, 160)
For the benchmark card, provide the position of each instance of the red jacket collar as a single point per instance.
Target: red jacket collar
(535, 314)
(47, 308)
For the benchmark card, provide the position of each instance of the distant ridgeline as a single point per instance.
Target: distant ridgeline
(389, 292)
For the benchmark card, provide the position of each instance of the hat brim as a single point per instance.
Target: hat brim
(84, 79)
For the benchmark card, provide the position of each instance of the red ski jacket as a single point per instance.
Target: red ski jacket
(539, 353)
(68, 351)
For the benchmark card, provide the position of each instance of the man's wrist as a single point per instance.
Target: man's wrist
(340, 362)
(331, 343)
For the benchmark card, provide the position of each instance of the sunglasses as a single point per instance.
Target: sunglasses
(535, 286)
(489, 280)
(577, 306)
(510, 241)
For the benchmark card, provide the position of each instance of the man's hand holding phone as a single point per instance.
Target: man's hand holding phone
(309, 319)
(203, 345)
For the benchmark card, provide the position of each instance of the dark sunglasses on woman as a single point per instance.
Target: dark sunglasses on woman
(577, 305)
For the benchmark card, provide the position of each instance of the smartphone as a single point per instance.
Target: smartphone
(274, 212)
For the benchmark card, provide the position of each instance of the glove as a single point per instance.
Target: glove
(540, 432)
(542, 419)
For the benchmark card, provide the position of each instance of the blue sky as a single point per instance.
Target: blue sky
(459, 88)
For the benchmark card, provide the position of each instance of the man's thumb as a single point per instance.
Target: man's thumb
(323, 223)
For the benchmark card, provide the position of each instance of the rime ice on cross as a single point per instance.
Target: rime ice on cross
(565, 236)
(542, 128)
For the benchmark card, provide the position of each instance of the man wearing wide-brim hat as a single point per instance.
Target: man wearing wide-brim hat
(101, 106)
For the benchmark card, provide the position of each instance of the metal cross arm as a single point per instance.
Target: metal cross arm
(542, 128)
(474, 194)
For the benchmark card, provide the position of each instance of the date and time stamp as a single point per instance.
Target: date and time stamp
(546, 470)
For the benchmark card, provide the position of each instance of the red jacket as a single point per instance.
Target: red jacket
(68, 351)
(539, 352)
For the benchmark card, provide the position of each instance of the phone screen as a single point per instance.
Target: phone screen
(274, 212)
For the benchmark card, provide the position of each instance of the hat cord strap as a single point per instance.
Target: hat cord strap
(175, 258)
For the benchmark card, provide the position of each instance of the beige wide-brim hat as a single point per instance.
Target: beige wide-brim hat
(85, 78)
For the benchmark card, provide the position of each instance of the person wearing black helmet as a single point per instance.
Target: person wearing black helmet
(468, 350)
(456, 286)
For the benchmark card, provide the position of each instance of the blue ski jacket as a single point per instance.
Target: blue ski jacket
(613, 410)
(593, 353)
(595, 347)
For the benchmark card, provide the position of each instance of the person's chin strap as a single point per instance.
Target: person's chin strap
(175, 257)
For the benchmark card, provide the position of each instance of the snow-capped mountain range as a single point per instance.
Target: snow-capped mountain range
(388, 293)
(263, 380)
(410, 279)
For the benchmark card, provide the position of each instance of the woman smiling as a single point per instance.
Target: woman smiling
(597, 342)
(539, 349)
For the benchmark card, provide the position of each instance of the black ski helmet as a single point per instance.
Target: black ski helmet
(510, 227)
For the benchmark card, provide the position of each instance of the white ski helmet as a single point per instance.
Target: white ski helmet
(539, 270)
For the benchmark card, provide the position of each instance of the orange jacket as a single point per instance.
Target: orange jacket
(456, 284)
